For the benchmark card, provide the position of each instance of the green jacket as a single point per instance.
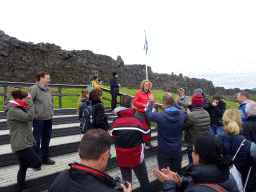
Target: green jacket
(19, 121)
(183, 103)
(43, 101)
(196, 122)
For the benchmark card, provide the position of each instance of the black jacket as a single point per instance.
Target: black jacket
(216, 113)
(81, 178)
(100, 119)
(114, 88)
(203, 173)
(249, 128)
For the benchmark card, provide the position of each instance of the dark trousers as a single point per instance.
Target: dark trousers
(190, 154)
(173, 161)
(148, 122)
(27, 158)
(113, 101)
(42, 133)
(140, 172)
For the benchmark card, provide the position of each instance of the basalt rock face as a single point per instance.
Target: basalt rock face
(21, 61)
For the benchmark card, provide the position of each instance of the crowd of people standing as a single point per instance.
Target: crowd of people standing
(211, 134)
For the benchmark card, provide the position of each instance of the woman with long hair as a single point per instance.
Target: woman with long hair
(141, 100)
(83, 101)
(99, 117)
(233, 138)
(20, 114)
(209, 172)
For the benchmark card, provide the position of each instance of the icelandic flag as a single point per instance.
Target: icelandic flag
(146, 45)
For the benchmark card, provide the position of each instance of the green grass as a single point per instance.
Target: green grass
(71, 101)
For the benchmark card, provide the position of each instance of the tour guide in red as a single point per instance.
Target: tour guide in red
(129, 133)
(141, 100)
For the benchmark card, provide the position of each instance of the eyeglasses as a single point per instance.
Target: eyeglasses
(109, 155)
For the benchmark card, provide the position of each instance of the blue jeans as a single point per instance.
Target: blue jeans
(42, 133)
(140, 172)
(216, 130)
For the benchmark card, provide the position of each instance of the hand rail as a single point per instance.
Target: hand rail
(5, 84)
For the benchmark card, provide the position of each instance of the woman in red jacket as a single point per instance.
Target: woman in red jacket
(141, 100)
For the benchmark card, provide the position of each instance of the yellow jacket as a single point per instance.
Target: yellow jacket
(95, 84)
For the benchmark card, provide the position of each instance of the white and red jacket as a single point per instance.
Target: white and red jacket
(129, 133)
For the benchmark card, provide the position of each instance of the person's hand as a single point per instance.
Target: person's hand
(214, 104)
(129, 189)
(100, 83)
(169, 94)
(29, 95)
(176, 176)
(177, 98)
(119, 85)
(189, 102)
(151, 97)
(167, 174)
(188, 111)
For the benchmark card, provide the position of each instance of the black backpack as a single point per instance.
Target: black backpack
(86, 120)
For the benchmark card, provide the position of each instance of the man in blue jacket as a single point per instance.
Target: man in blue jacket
(169, 127)
(243, 99)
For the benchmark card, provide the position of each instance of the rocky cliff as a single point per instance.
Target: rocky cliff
(21, 61)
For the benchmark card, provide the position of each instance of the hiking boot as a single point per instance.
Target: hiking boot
(49, 162)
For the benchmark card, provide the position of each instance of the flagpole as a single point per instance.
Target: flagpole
(146, 49)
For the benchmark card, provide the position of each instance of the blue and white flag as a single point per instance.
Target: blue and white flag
(146, 44)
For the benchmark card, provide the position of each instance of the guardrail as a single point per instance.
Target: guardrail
(6, 84)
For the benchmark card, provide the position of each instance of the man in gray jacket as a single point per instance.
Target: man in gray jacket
(42, 124)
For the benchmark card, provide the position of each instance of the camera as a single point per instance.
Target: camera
(120, 182)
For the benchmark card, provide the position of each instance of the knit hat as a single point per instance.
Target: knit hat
(197, 99)
(216, 97)
(114, 74)
(199, 91)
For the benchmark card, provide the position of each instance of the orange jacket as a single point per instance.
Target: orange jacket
(140, 99)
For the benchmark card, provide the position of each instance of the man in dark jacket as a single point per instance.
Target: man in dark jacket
(94, 151)
(206, 103)
(169, 127)
(129, 133)
(114, 89)
(216, 111)
(249, 126)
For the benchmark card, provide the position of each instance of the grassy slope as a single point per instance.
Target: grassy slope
(71, 101)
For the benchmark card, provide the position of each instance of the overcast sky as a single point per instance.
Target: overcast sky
(215, 40)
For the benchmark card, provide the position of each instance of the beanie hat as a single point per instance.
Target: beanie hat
(199, 91)
(114, 73)
(197, 99)
(209, 148)
(216, 97)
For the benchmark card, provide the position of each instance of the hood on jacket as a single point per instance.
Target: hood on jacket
(124, 111)
(7, 105)
(172, 115)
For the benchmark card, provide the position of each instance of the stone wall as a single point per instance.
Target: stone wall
(21, 61)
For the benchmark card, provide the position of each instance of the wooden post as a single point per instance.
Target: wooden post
(5, 92)
(60, 101)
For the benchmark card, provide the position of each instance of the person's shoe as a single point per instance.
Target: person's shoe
(37, 169)
(49, 162)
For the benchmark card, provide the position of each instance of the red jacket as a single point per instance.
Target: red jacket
(129, 133)
(140, 99)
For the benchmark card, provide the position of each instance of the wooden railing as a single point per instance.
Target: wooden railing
(6, 84)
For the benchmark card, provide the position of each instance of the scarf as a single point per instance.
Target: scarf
(19, 103)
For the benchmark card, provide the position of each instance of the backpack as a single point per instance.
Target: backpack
(86, 120)
(89, 86)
